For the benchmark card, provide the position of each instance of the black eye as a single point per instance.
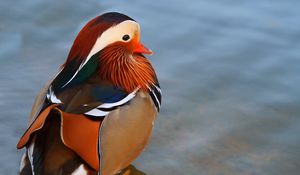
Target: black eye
(126, 37)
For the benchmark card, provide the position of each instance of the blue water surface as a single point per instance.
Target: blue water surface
(229, 71)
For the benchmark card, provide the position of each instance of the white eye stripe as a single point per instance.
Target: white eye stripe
(114, 34)
(111, 35)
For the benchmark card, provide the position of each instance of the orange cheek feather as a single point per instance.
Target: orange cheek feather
(125, 70)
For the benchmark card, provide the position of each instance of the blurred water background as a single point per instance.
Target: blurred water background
(229, 70)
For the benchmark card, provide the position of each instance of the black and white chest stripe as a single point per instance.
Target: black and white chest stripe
(155, 94)
(104, 109)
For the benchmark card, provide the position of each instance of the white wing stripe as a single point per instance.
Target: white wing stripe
(23, 162)
(80, 67)
(30, 155)
(52, 97)
(97, 112)
(80, 171)
(123, 101)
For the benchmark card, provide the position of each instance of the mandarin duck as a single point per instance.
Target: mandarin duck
(96, 115)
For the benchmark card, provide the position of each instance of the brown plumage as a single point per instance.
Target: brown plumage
(97, 114)
(51, 154)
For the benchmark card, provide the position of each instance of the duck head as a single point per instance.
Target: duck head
(115, 37)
